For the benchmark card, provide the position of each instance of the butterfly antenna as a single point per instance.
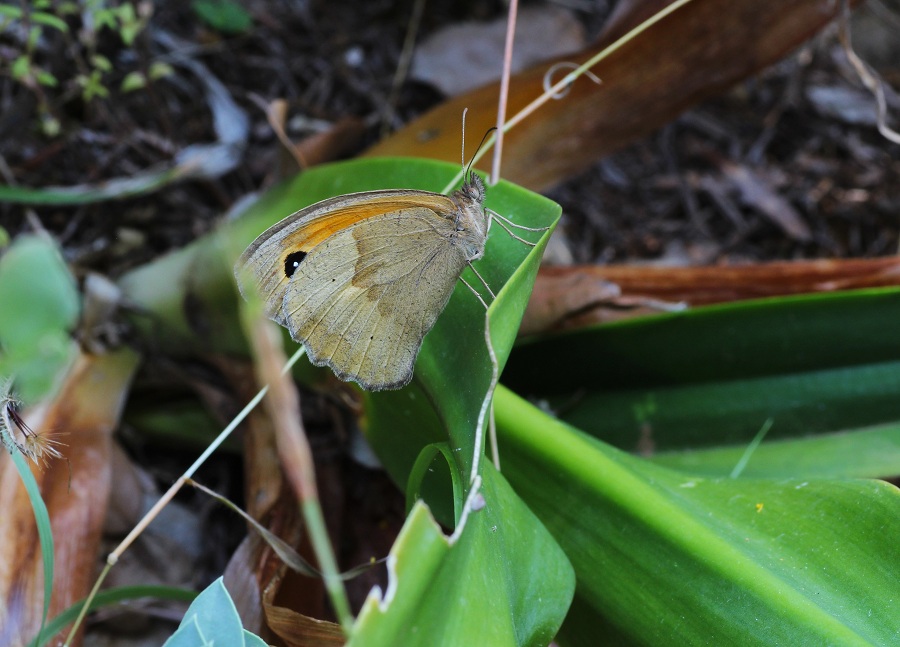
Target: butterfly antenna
(462, 155)
(483, 139)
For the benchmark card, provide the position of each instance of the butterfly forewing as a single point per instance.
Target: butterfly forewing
(267, 258)
(363, 300)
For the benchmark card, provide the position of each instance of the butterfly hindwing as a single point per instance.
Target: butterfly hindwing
(363, 300)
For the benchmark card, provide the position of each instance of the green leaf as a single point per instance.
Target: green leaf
(104, 18)
(41, 18)
(212, 619)
(857, 452)
(137, 80)
(226, 16)
(34, 35)
(818, 366)
(129, 24)
(21, 67)
(39, 305)
(125, 13)
(189, 634)
(108, 598)
(45, 530)
(160, 69)
(92, 86)
(45, 78)
(252, 640)
(503, 581)
(8, 11)
(133, 81)
(664, 557)
(101, 63)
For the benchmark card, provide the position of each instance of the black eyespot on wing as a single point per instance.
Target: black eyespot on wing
(292, 262)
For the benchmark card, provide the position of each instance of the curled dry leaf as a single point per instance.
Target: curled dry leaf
(573, 297)
(698, 51)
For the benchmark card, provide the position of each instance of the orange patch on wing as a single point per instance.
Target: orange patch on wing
(341, 217)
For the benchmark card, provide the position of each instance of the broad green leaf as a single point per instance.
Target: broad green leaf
(503, 581)
(663, 557)
(39, 308)
(815, 367)
(188, 634)
(252, 640)
(212, 619)
(862, 452)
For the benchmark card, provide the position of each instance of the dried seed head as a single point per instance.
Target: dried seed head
(16, 435)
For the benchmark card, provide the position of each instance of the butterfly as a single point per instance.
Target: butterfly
(361, 278)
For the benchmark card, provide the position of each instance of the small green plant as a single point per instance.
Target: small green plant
(43, 25)
(138, 80)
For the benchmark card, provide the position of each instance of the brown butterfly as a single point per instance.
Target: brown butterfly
(361, 278)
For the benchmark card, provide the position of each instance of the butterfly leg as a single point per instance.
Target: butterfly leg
(506, 223)
(483, 282)
(474, 291)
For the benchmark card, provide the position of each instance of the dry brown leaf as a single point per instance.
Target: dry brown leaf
(83, 416)
(296, 629)
(698, 51)
(462, 56)
(573, 297)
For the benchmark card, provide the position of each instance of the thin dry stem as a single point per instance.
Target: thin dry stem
(296, 457)
(868, 76)
(504, 87)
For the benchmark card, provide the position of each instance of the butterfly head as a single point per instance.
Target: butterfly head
(473, 189)
(470, 218)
